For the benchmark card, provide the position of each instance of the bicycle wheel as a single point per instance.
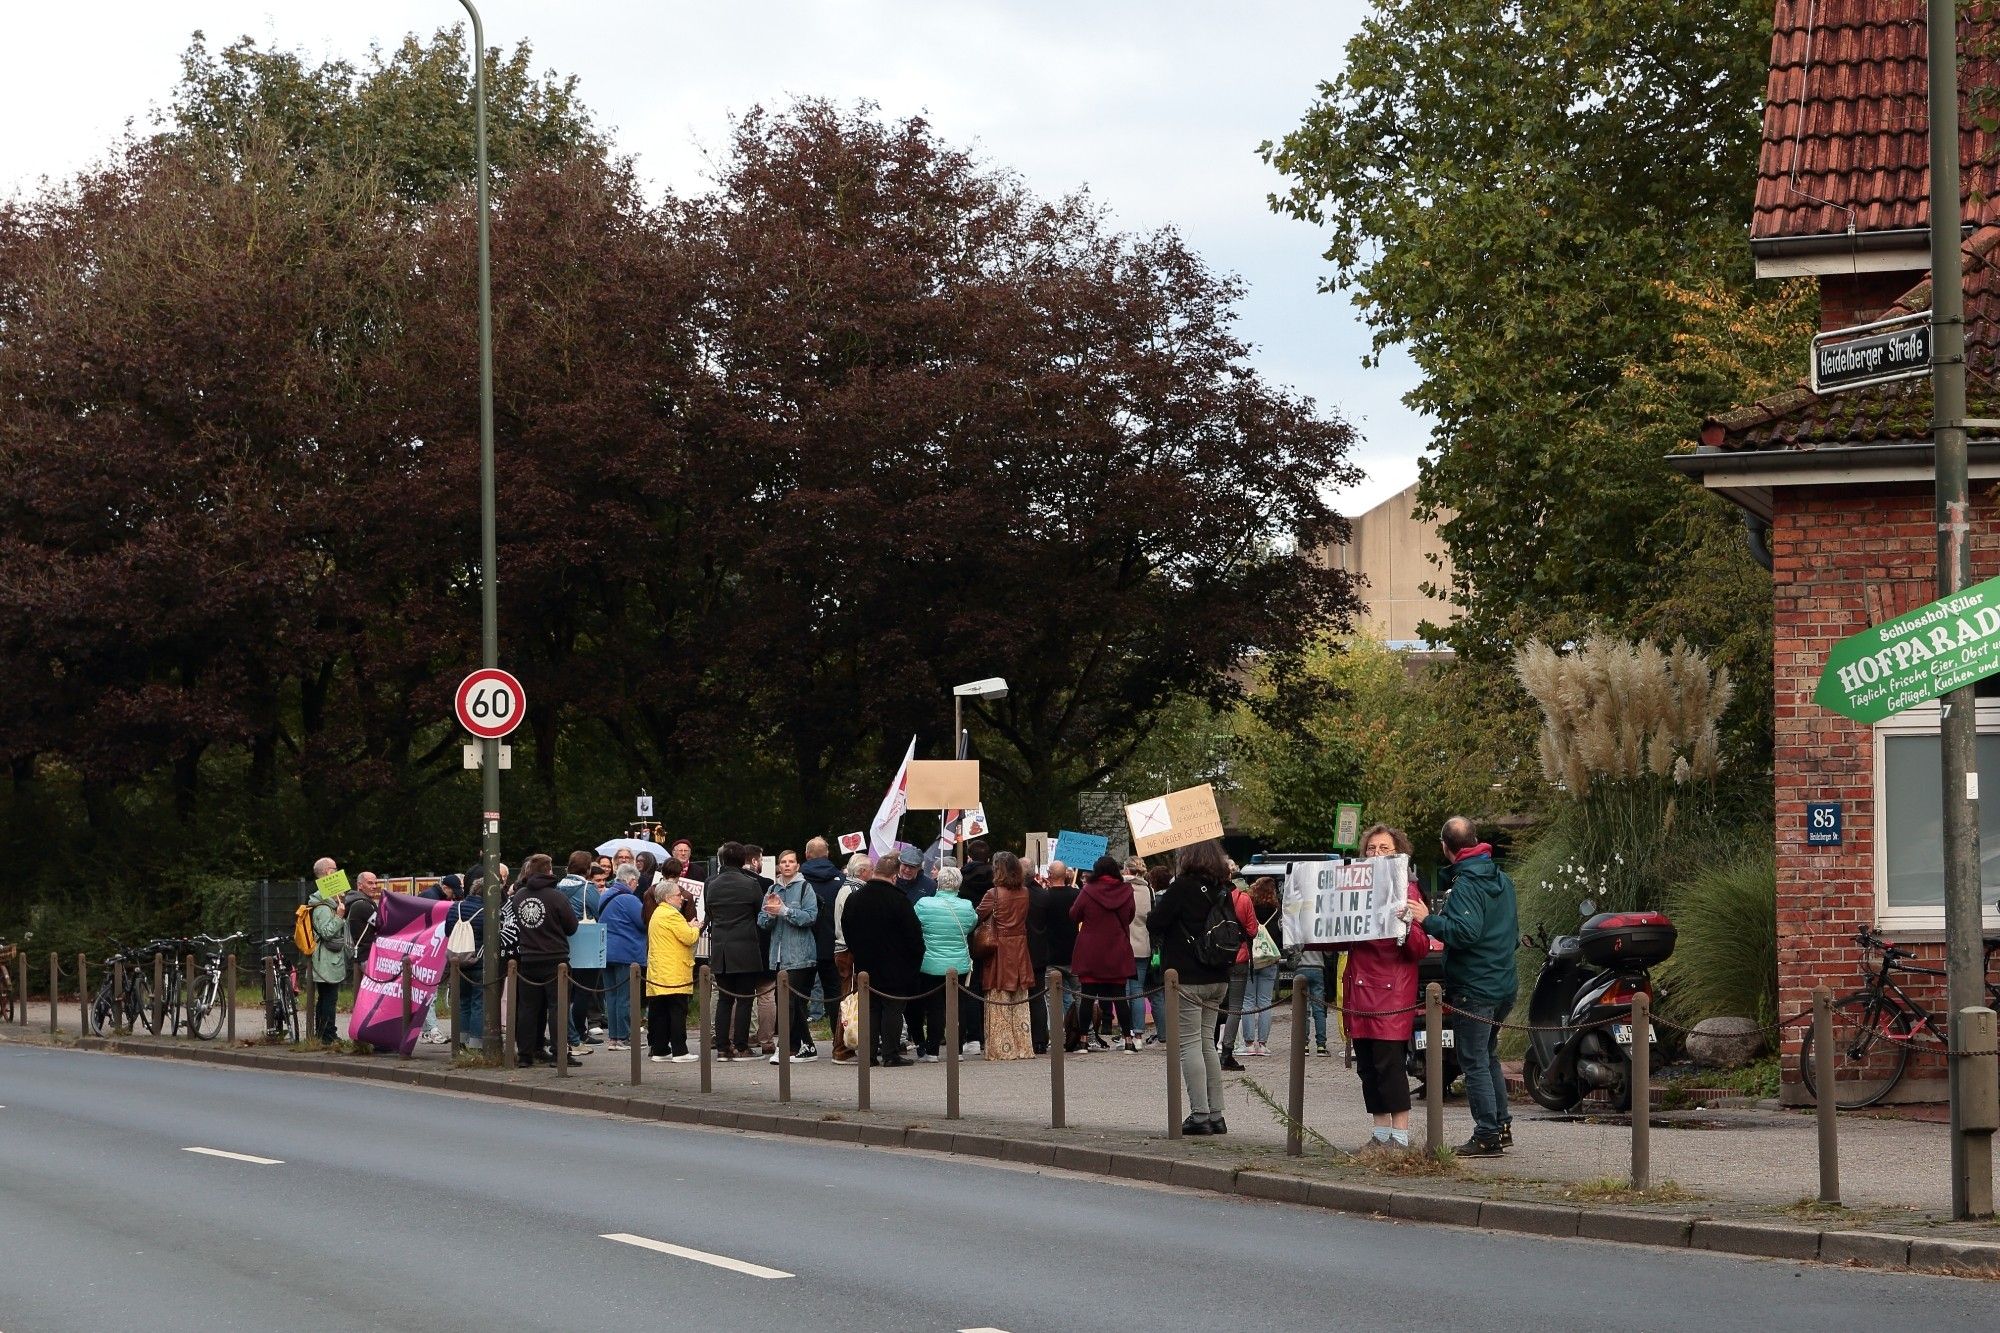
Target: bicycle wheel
(1871, 1045)
(139, 1003)
(103, 1011)
(205, 1008)
(289, 984)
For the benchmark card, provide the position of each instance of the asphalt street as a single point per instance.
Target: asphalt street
(139, 1193)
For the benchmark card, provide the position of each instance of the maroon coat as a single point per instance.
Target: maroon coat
(1102, 912)
(1382, 976)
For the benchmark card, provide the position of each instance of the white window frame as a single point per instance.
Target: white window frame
(1923, 720)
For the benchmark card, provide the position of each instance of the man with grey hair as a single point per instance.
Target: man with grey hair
(1479, 927)
(887, 943)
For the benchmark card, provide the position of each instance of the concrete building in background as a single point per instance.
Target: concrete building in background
(1392, 549)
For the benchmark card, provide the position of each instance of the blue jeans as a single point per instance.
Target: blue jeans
(1314, 981)
(1135, 1021)
(618, 1001)
(1478, 1045)
(1258, 989)
(470, 1015)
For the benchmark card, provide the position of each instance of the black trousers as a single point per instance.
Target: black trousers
(535, 992)
(1038, 1016)
(1385, 1077)
(933, 1019)
(581, 1001)
(667, 1024)
(732, 1015)
(802, 985)
(886, 1017)
(326, 1013)
(829, 986)
(1103, 1006)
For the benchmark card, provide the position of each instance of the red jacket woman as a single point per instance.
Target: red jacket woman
(1382, 978)
(1103, 944)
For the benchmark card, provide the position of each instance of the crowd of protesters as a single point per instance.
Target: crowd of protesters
(997, 923)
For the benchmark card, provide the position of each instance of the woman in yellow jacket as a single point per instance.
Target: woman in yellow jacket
(670, 938)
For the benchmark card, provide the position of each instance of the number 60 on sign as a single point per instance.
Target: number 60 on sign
(490, 703)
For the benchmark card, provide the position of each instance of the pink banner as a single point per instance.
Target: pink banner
(406, 928)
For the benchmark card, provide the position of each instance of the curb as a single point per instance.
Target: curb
(1759, 1240)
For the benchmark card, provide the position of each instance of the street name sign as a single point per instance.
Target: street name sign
(490, 703)
(1919, 656)
(1898, 348)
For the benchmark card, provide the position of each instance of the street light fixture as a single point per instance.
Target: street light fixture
(993, 687)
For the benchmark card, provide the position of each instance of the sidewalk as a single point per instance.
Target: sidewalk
(1752, 1159)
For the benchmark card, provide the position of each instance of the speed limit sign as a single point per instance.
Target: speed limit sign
(490, 703)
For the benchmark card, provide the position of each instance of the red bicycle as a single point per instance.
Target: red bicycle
(1875, 1028)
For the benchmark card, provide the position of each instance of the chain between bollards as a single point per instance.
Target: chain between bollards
(951, 1043)
(864, 1055)
(1827, 1110)
(633, 999)
(1172, 999)
(1295, 1101)
(1433, 1068)
(1642, 1091)
(1058, 1039)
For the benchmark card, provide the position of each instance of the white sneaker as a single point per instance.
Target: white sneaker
(662, 1059)
(927, 1059)
(679, 1059)
(969, 1048)
(617, 1046)
(598, 1034)
(806, 1055)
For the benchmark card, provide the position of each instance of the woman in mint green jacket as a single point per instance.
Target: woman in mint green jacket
(946, 919)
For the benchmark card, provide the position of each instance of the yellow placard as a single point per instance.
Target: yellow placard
(1178, 819)
(943, 784)
(333, 884)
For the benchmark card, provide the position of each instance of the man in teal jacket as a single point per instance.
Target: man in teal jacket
(1480, 930)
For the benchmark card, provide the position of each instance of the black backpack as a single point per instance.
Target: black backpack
(1222, 934)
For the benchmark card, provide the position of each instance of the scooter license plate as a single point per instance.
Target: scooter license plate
(1423, 1039)
(1622, 1034)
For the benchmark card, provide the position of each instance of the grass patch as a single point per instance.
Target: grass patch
(1441, 1161)
(470, 1059)
(1759, 1078)
(1615, 1189)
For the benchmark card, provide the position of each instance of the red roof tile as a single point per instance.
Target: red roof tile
(1846, 123)
(1898, 413)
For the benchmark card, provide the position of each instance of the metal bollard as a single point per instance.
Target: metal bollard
(951, 1043)
(707, 1029)
(1642, 1091)
(559, 1020)
(1976, 1087)
(864, 1054)
(1433, 1067)
(1826, 1113)
(409, 1047)
(1295, 1103)
(1058, 1038)
(82, 996)
(1170, 995)
(510, 1044)
(55, 998)
(455, 980)
(229, 997)
(782, 998)
(632, 1001)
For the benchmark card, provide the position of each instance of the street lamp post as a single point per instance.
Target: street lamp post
(489, 612)
(993, 687)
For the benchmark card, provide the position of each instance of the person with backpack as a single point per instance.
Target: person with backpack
(326, 918)
(1260, 972)
(1199, 930)
(787, 918)
(625, 925)
(543, 921)
(467, 949)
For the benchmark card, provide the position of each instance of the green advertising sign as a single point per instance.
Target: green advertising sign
(1917, 657)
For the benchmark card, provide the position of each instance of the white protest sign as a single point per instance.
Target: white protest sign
(1334, 902)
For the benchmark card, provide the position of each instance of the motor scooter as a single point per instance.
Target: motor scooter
(1581, 1007)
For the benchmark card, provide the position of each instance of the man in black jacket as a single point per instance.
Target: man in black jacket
(735, 950)
(1061, 931)
(978, 880)
(826, 879)
(544, 921)
(882, 933)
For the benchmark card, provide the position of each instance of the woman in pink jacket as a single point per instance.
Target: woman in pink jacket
(1381, 997)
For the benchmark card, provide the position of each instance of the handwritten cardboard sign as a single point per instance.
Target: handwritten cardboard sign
(1178, 819)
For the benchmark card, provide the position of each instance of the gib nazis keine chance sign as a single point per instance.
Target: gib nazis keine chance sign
(1888, 349)
(1345, 902)
(1914, 658)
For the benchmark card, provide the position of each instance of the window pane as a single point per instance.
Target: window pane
(1912, 821)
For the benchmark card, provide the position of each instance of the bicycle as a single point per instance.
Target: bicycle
(281, 1004)
(8, 953)
(1874, 1028)
(205, 1006)
(112, 1009)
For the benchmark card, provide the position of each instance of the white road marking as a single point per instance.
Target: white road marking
(237, 1156)
(699, 1256)
(982, 1330)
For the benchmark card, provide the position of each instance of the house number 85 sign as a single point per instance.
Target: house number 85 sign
(490, 703)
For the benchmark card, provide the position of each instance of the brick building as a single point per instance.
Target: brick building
(1836, 488)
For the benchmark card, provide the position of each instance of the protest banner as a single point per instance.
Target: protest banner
(1078, 850)
(406, 927)
(1345, 902)
(942, 784)
(1178, 819)
(332, 884)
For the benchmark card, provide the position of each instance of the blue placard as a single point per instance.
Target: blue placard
(1823, 823)
(1079, 851)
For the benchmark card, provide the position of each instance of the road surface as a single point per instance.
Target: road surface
(146, 1194)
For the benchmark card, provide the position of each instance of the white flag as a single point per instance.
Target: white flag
(889, 818)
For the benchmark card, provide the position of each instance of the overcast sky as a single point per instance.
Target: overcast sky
(1157, 106)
